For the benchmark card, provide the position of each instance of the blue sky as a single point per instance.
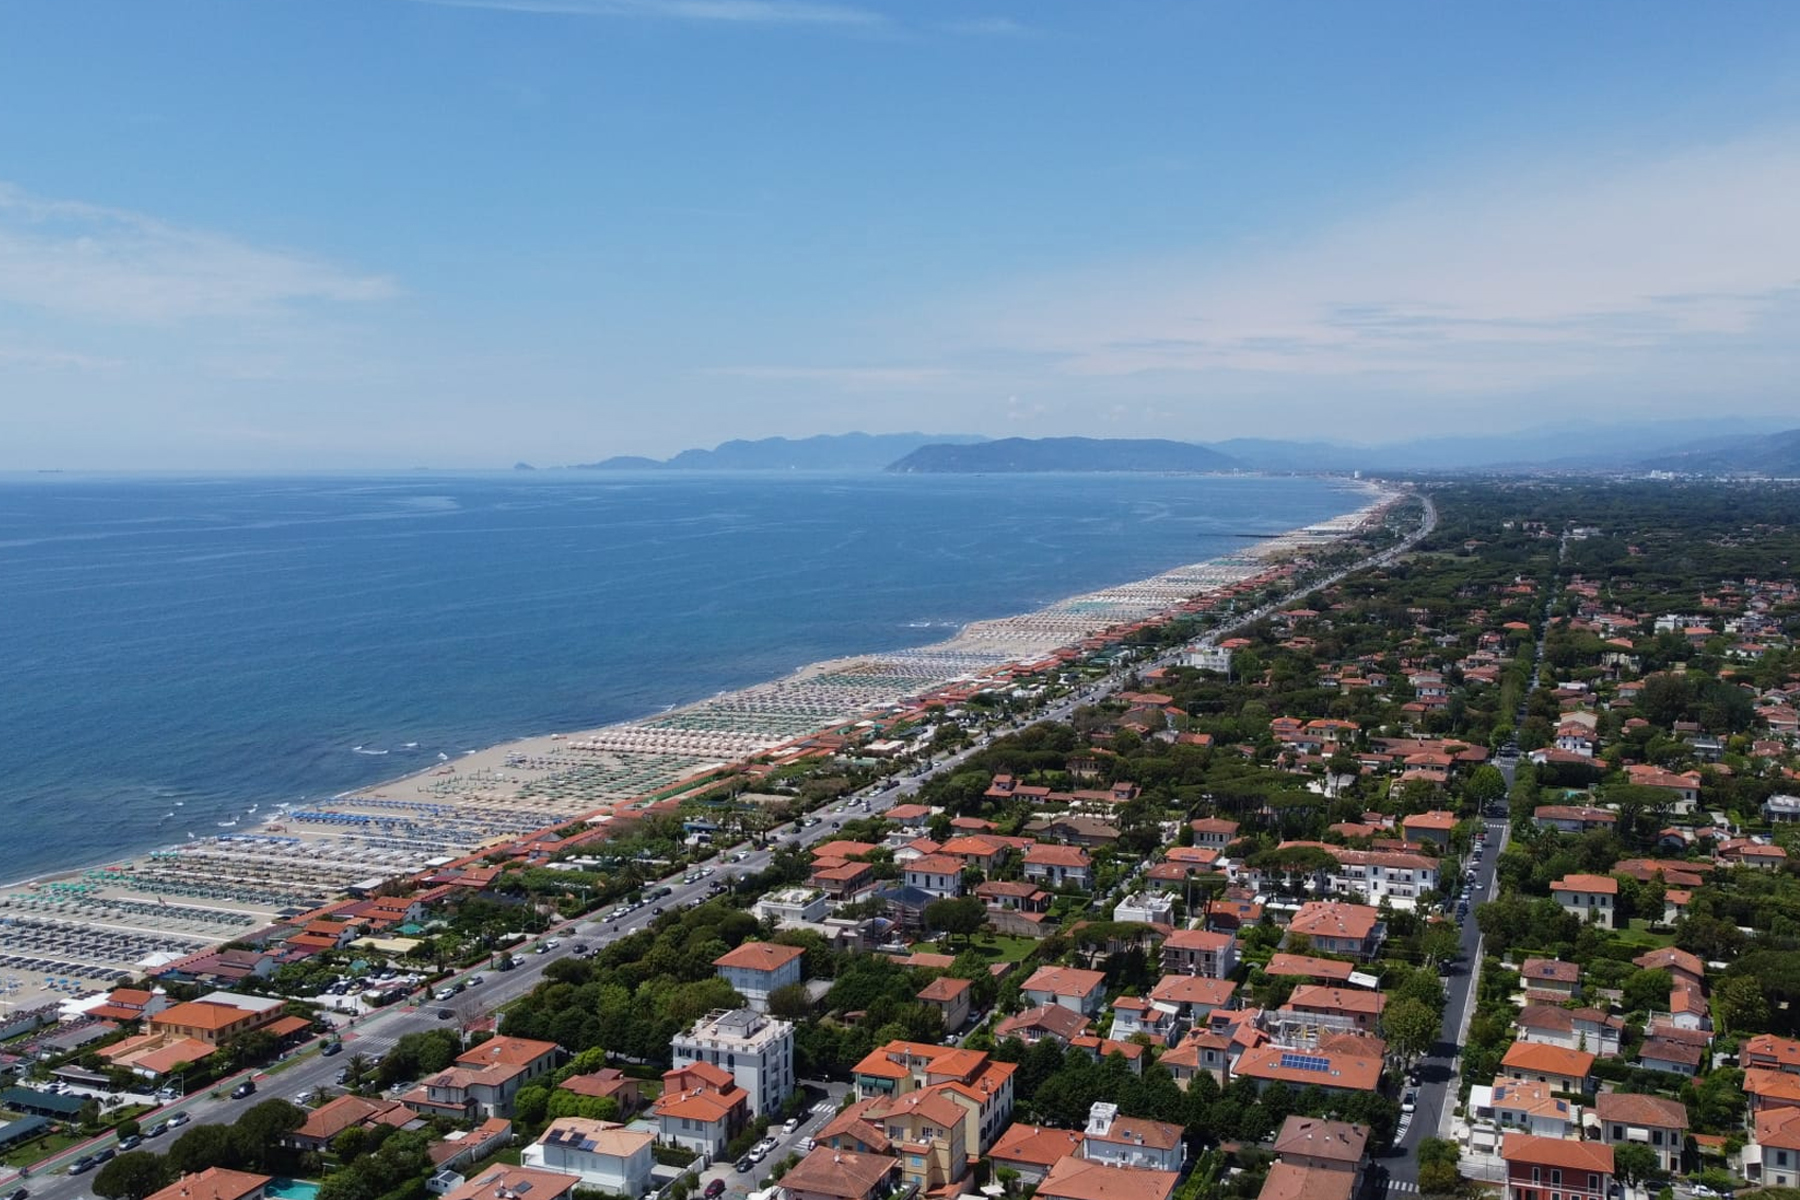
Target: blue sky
(293, 233)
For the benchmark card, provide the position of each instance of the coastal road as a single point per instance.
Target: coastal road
(305, 1072)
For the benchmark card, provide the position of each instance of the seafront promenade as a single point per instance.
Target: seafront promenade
(69, 936)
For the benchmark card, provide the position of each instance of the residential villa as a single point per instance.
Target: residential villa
(605, 1155)
(756, 969)
(1070, 987)
(1338, 928)
(1647, 1120)
(1568, 1071)
(701, 1108)
(1590, 898)
(1539, 1167)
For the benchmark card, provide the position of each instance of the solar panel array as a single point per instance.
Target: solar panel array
(1305, 1062)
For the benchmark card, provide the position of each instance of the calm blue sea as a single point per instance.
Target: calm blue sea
(175, 650)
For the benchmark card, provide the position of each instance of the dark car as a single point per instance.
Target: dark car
(445, 1014)
(745, 1166)
(246, 1088)
(330, 1048)
(17, 1194)
(104, 1155)
(714, 1189)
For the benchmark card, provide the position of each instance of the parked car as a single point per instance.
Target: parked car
(104, 1155)
(17, 1194)
(178, 1120)
(245, 1088)
(715, 1189)
(130, 1141)
(1410, 1101)
(791, 1124)
(745, 1165)
(81, 1165)
(156, 1130)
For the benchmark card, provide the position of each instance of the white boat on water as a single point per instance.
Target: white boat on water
(231, 824)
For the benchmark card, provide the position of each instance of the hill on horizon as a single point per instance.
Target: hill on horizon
(1776, 454)
(1009, 455)
(821, 452)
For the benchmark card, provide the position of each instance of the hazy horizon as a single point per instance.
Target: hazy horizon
(238, 235)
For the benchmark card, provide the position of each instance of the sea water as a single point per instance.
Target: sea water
(176, 650)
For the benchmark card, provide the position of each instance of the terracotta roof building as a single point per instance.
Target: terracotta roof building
(215, 1183)
(1079, 1179)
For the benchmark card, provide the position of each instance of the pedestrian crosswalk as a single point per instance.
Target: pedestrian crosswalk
(1397, 1187)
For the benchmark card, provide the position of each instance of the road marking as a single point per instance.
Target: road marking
(1402, 1185)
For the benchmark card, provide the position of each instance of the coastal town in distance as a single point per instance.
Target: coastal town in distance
(1442, 849)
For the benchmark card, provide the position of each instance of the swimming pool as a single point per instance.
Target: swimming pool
(291, 1189)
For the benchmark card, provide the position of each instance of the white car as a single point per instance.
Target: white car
(791, 1124)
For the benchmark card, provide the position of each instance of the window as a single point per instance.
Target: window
(1537, 1175)
(1556, 1175)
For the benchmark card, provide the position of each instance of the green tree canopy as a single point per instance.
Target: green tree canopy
(133, 1175)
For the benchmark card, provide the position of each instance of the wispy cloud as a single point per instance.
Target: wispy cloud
(849, 378)
(106, 264)
(739, 12)
(1575, 270)
(987, 27)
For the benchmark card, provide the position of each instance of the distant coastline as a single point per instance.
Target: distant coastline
(1268, 546)
(1264, 545)
(516, 785)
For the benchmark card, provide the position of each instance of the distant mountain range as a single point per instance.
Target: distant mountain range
(1011, 455)
(1775, 455)
(1731, 446)
(825, 452)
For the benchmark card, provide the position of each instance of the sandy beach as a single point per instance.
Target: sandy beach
(72, 934)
